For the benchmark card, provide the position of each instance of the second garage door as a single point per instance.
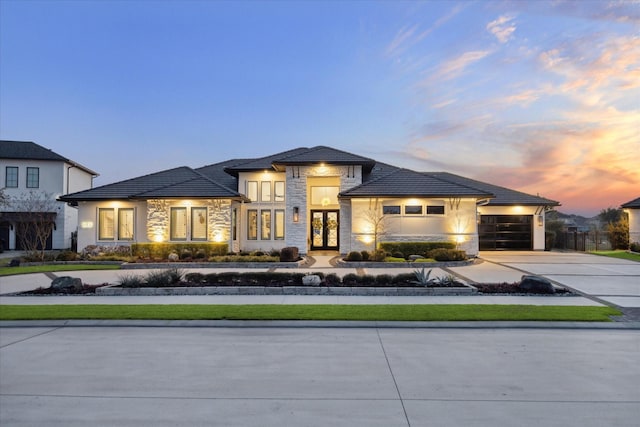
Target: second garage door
(506, 232)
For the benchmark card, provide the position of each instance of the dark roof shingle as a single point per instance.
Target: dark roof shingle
(27, 150)
(632, 204)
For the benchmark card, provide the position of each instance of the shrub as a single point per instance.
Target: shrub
(447, 255)
(411, 248)
(404, 279)
(351, 279)
(195, 278)
(354, 256)
(332, 279)
(130, 281)
(365, 255)
(289, 254)
(619, 234)
(186, 254)
(200, 254)
(67, 256)
(635, 246)
(384, 279)
(162, 250)
(379, 255)
(158, 279)
(274, 253)
(398, 254)
(367, 280)
(258, 253)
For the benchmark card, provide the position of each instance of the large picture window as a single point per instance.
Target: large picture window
(265, 225)
(33, 177)
(106, 219)
(252, 224)
(125, 224)
(198, 223)
(178, 224)
(11, 177)
(278, 224)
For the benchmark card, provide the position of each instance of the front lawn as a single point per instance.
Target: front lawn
(452, 312)
(619, 254)
(45, 268)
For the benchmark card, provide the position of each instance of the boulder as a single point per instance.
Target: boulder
(536, 284)
(311, 280)
(173, 257)
(14, 262)
(66, 283)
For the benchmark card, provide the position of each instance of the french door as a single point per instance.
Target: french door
(325, 230)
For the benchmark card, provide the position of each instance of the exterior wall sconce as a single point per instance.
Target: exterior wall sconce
(540, 221)
(296, 214)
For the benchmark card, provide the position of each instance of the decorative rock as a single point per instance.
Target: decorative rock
(537, 284)
(173, 257)
(66, 283)
(415, 257)
(311, 280)
(14, 262)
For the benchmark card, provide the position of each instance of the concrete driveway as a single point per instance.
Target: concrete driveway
(612, 280)
(128, 376)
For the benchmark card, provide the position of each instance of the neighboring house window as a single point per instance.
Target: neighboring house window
(33, 177)
(125, 224)
(234, 224)
(413, 210)
(178, 225)
(252, 224)
(198, 223)
(391, 210)
(265, 222)
(279, 190)
(278, 224)
(11, 177)
(106, 218)
(252, 190)
(265, 191)
(435, 210)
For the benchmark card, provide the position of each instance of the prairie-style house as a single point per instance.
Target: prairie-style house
(316, 199)
(28, 168)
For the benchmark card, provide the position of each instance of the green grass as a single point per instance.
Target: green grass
(453, 312)
(45, 268)
(618, 254)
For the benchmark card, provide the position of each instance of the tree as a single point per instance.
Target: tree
(376, 220)
(4, 198)
(610, 215)
(619, 233)
(37, 214)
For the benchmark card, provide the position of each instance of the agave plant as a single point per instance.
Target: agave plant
(422, 277)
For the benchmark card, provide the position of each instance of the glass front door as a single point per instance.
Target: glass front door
(325, 230)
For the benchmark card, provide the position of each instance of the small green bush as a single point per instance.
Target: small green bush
(162, 250)
(398, 254)
(195, 278)
(130, 281)
(447, 255)
(365, 255)
(67, 256)
(413, 248)
(332, 279)
(379, 255)
(384, 280)
(354, 256)
(635, 247)
(351, 279)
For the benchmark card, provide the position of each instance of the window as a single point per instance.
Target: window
(391, 210)
(252, 224)
(435, 210)
(33, 177)
(265, 191)
(11, 177)
(252, 190)
(198, 223)
(234, 224)
(413, 210)
(265, 225)
(125, 224)
(178, 224)
(278, 224)
(324, 196)
(279, 190)
(106, 224)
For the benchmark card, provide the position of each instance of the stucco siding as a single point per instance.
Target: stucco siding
(634, 225)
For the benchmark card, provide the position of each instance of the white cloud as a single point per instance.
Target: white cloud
(502, 28)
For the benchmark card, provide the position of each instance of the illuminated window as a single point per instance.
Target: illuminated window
(279, 191)
(252, 190)
(265, 225)
(278, 224)
(178, 224)
(324, 196)
(252, 224)
(265, 191)
(125, 224)
(198, 223)
(106, 224)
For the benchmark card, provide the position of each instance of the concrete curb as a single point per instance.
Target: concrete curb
(318, 324)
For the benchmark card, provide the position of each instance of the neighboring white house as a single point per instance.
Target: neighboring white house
(315, 199)
(632, 208)
(28, 167)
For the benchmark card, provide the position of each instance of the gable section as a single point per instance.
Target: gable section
(632, 204)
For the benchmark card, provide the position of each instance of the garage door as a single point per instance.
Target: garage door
(506, 232)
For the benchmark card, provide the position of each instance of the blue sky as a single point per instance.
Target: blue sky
(538, 96)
